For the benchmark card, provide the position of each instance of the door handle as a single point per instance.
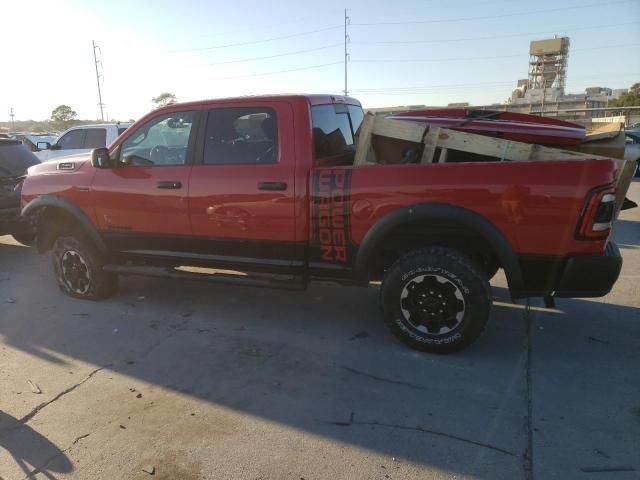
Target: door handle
(170, 185)
(272, 186)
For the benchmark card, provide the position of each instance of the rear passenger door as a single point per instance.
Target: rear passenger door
(241, 189)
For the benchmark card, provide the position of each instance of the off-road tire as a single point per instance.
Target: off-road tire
(77, 250)
(456, 279)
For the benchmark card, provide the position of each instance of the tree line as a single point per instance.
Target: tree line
(63, 117)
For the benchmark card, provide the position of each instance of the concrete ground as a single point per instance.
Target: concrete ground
(197, 381)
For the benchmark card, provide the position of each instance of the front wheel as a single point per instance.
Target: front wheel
(77, 264)
(25, 238)
(436, 300)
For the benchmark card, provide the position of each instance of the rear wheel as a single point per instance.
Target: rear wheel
(436, 300)
(77, 264)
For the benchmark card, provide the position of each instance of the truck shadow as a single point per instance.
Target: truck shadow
(320, 361)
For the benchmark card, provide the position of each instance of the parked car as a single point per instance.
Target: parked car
(80, 139)
(15, 159)
(267, 186)
(632, 148)
(31, 140)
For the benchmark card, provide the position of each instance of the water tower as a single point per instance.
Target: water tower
(548, 64)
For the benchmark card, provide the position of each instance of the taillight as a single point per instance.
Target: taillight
(597, 216)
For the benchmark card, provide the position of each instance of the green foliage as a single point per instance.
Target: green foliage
(628, 99)
(42, 126)
(164, 99)
(62, 116)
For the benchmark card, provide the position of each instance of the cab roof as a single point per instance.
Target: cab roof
(312, 99)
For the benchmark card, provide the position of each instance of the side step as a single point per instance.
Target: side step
(287, 282)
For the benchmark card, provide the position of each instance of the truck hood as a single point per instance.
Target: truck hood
(66, 164)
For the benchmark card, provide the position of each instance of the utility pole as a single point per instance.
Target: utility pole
(96, 61)
(12, 115)
(346, 53)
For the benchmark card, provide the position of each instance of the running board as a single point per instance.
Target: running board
(287, 282)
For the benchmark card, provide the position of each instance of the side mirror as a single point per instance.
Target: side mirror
(100, 158)
(43, 145)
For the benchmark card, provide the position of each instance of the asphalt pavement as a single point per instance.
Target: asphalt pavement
(189, 380)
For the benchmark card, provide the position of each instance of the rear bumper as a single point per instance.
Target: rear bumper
(579, 276)
(590, 276)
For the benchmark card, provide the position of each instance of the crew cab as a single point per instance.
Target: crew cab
(80, 139)
(264, 191)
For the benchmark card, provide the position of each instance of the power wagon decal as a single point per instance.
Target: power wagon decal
(331, 192)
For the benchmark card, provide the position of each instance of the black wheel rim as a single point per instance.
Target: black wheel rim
(75, 272)
(432, 304)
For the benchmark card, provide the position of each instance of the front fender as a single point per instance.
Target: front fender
(45, 202)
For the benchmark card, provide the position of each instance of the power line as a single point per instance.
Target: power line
(257, 28)
(269, 56)
(277, 72)
(420, 87)
(460, 86)
(493, 57)
(491, 37)
(485, 17)
(408, 61)
(253, 42)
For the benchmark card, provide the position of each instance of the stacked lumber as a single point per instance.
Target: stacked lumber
(382, 140)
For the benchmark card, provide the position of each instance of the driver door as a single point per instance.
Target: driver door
(141, 203)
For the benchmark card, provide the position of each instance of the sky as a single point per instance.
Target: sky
(405, 52)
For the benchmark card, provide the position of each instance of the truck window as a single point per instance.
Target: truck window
(357, 116)
(236, 136)
(121, 130)
(161, 141)
(72, 139)
(334, 128)
(95, 138)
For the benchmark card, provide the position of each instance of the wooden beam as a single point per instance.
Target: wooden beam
(364, 152)
(409, 131)
(502, 149)
(625, 173)
(443, 155)
(430, 145)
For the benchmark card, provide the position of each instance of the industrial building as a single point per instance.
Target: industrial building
(543, 91)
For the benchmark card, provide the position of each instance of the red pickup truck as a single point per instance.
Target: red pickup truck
(263, 191)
